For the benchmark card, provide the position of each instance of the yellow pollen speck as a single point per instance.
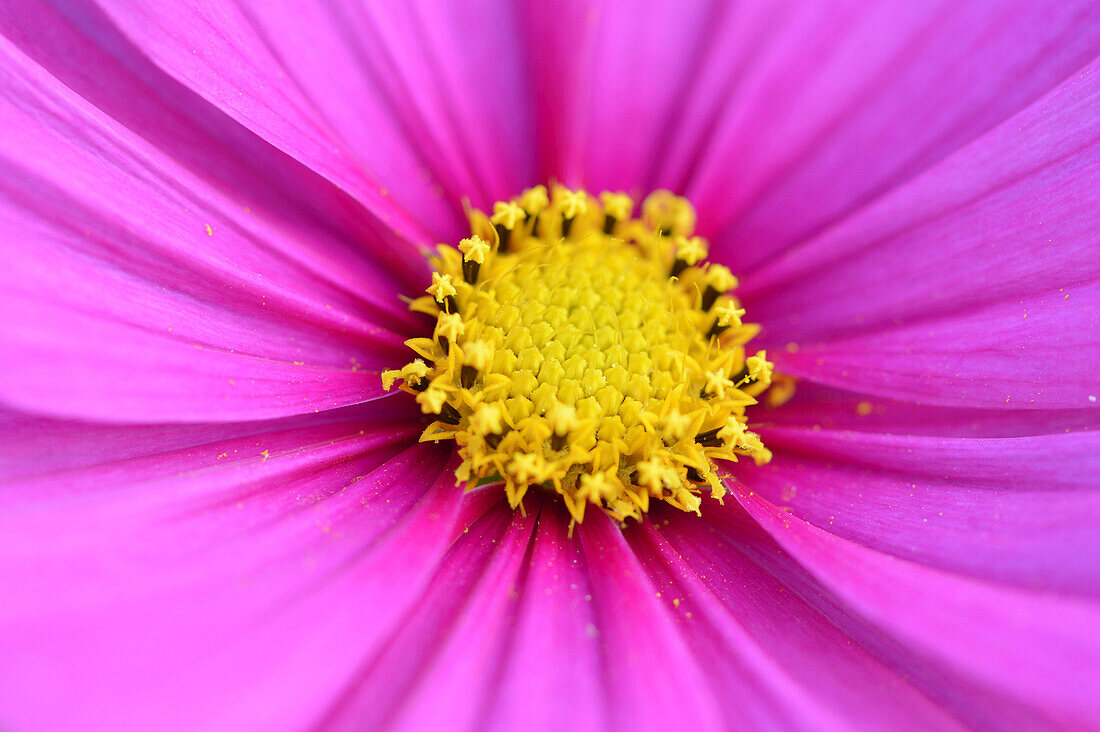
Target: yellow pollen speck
(588, 353)
(864, 408)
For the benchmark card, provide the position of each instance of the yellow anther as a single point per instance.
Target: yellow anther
(691, 251)
(751, 441)
(411, 373)
(720, 278)
(760, 369)
(717, 383)
(651, 474)
(676, 423)
(618, 206)
(442, 287)
(449, 326)
(669, 214)
(579, 361)
(479, 354)
(597, 487)
(534, 200)
(507, 214)
(487, 420)
(432, 399)
(733, 432)
(570, 203)
(729, 315)
(562, 419)
(529, 467)
(474, 249)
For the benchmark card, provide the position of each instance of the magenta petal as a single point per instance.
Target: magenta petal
(1021, 510)
(98, 75)
(554, 648)
(397, 111)
(975, 285)
(440, 668)
(819, 407)
(1036, 652)
(135, 292)
(250, 565)
(649, 672)
(610, 80)
(836, 105)
(1031, 353)
(242, 75)
(772, 657)
(140, 451)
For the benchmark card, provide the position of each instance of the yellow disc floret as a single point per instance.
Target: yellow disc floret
(587, 352)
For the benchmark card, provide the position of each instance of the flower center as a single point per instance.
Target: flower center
(581, 349)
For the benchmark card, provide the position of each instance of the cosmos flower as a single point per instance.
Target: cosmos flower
(214, 515)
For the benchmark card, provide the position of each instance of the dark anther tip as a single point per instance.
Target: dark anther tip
(710, 296)
(468, 376)
(470, 271)
(505, 236)
(709, 438)
(566, 227)
(450, 415)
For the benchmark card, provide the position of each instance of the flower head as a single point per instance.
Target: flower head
(879, 222)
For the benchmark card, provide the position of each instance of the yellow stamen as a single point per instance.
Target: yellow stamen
(618, 206)
(507, 214)
(668, 214)
(692, 250)
(592, 354)
(730, 315)
(474, 249)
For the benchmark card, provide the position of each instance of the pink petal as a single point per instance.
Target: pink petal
(609, 81)
(779, 118)
(837, 105)
(237, 582)
(1021, 510)
(974, 285)
(994, 654)
(396, 107)
(440, 667)
(819, 407)
(324, 232)
(134, 291)
(555, 619)
(773, 659)
(649, 671)
(138, 450)
(1031, 353)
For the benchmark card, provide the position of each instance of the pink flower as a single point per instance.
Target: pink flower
(213, 519)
